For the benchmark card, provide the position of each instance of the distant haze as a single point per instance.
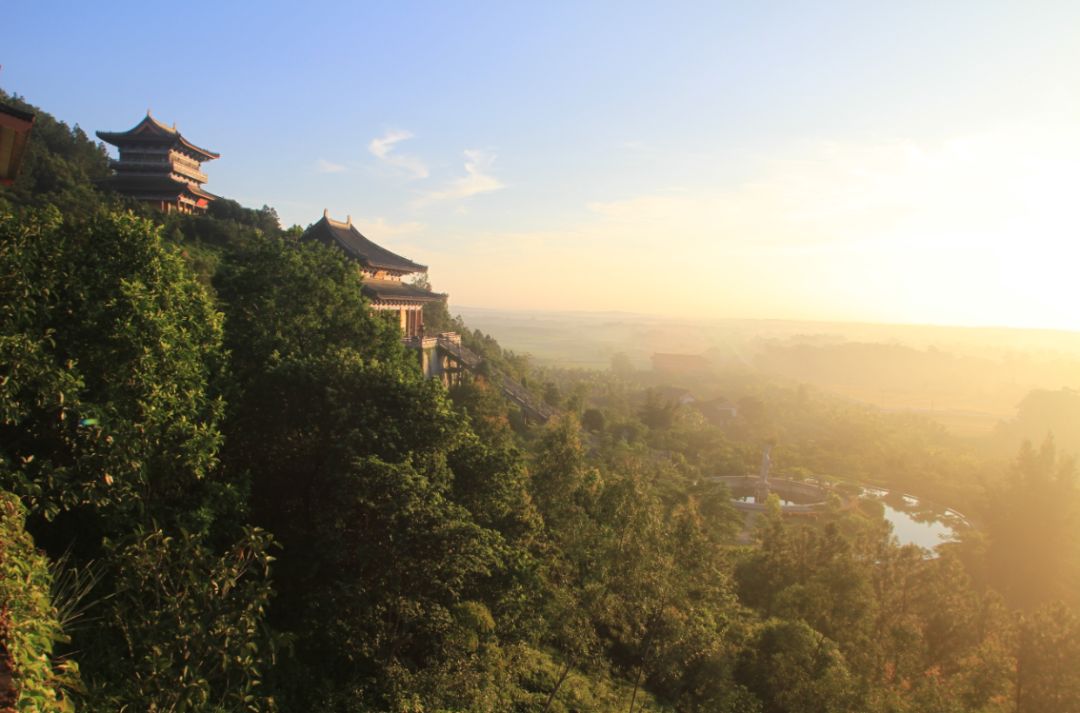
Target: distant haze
(587, 338)
(969, 379)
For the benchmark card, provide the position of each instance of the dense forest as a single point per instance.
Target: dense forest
(225, 486)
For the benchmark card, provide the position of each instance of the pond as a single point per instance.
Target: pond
(789, 494)
(753, 499)
(916, 522)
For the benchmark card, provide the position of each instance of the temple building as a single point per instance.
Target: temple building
(382, 271)
(158, 165)
(440, 356)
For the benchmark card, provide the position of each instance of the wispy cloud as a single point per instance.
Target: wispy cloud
(477, 179)
(324, 166)
(974, 229)
(383, 148)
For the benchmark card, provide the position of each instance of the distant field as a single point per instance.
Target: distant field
(962, 416)
(587, 336)
(967, 379)
(966, 424)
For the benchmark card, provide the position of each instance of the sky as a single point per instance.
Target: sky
(910, 162)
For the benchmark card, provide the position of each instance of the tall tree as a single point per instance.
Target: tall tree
(111, 355)
(1033, 555)
(393, 517)
(1048, 647)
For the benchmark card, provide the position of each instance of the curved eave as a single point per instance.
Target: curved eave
(15, 118)
(198, 191)
(204, 153)
(368, 253)
(394, 291)
(395, 267)
(150, 130)
(113, 137)
(163, 184)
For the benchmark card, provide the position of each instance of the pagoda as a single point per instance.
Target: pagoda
(440, 356)
(382, 271)
(158, 165)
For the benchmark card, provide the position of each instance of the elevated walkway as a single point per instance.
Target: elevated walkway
(445, 357)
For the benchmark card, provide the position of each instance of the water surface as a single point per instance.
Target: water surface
(916, 522)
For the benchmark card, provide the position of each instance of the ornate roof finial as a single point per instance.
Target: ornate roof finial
(326, 213)
(348, 220)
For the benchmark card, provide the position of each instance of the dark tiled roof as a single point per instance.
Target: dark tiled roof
(394, 290)
(161, 183)
(356, 246)
(18, 114)
(150, 130)
(201, 192)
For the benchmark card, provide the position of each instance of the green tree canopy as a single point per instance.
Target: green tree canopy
(111, 356)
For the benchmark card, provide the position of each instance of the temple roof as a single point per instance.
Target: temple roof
(16, 117)
(390, 290)
(150, 130)
(348, 238)
(164, 183)
(201, 192)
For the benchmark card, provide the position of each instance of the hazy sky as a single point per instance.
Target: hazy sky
(904, 162)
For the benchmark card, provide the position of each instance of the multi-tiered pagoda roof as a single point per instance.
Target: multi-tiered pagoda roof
(157, 164)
